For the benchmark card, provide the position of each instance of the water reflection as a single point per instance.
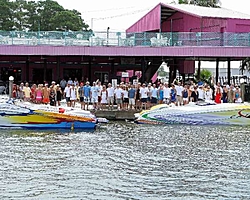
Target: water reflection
(126, 161)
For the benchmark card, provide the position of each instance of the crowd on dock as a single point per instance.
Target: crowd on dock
(126, 96)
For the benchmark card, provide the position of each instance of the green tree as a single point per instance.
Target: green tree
(205, 75)
(6, 15)
(44, 15)
(19, 14)
(33, 18)
(67, 19)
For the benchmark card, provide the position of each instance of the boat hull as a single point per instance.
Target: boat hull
(234, 114)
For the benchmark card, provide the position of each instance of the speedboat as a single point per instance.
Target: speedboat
(32, 116)
(202, 113)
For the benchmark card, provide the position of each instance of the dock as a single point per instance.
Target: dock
(116, 114)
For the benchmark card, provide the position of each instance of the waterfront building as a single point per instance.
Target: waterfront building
(176, 34)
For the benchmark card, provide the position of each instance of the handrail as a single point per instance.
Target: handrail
(153, 39)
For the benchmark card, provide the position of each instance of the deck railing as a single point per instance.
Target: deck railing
(86, 38)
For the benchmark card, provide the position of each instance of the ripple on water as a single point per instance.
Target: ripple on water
(126, 161)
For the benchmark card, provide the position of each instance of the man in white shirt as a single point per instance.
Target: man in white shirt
(179, 89)
(144, 95)
(118, 97)
(94, 95)
(201, 93)
(110, 91)
(67, 95)
(166, 93)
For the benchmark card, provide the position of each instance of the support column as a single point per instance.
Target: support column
(217, 71)
(27, 70)
(228, 70)
(143, 69)
(112, 71)
(175, 69)
(89, 69)
(58, 69)
(45, 70)
(199, 70)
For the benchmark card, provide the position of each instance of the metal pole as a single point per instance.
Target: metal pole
(108, 36)
(11, 80)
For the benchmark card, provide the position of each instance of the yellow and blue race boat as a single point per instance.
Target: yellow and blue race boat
(44, 117)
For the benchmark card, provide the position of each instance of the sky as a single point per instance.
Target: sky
(119, 15)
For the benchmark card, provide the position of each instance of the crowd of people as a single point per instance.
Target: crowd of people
(126, 96)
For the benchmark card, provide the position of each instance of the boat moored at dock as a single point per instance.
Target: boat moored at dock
(201, 113)
(30, 116)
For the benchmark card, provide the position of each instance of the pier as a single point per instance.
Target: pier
(116, 114)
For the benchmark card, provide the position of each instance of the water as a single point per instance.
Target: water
(126, 161)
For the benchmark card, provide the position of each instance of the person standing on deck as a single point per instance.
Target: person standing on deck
(179, 97)
(81, 95)
(154, 95)
(110, 90)
(99, 85)
(94, 95)
(185, 95)
(58, 94)
(173, 94)
(118, 97)
(63, 84)
(166, 93)
(201, 92)
(27, 92)
(144, 95)
(224, 94)
(87, 97)
(72, 95)
(149, 95)
(39, 94)
(104, 97)
(208, 94)
(194, 95)
(131, 97)
(231, 95)
(67, 95)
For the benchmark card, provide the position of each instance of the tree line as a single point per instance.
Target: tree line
(46, 15)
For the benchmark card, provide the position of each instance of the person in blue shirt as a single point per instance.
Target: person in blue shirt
(131, 97)
(173, 94)
(86, 95)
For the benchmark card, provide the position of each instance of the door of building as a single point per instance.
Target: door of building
(72, 73)
(38, 75)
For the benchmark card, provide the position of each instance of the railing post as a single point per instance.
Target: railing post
(248, 39)
(12, 35)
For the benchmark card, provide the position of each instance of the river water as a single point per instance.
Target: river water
(122, 160)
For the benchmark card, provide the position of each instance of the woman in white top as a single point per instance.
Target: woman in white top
(72, 96)
(104, 97)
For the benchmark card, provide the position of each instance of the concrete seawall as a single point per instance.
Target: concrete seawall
(116, 114)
